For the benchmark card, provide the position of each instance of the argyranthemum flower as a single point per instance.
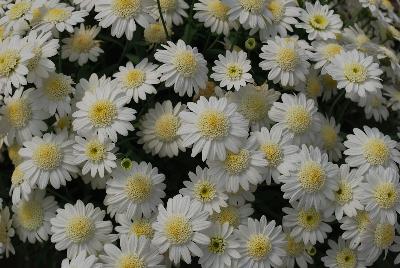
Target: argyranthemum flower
(296, 253)
(6, 247)
(370, 149)
(92, 84)
(154, 33)
(381, 195)
(232, 70)
(348, 196)
(21, 119)
(18, 13)
(139, 187)
(81, 46)
(87, 5)
(394, 97)
(48, 160)
(54, 95)
(222, 251)
(123, 15)
(329, 87)
(137, 81)
(286, 61)
(356, 73)
(341, 254)
(206, 189)
(158, 130)
(312, 86)
(183, 67)
(261, 243)
(21, 186)
(375, 106)
(232, 214)
(277, 150)
(353, 227)
(136, 225)
(297, 116)
(173, 11)
(212, 126)
(329, 139)
(32, 216)
(82, 260)
(355, 38)
(324, 53)
(180, 228)
(319, 21)
(80, 228)
(133, 251)
(307, 225)
(103, 112)
(251, 14)
(254, 103)
(96, 154)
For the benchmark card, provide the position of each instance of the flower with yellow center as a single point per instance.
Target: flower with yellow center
(386, 195)
(30, 215)
(329, 137)
(18, 10)
(213, 124)
(47, 156)
(79, 229)
(17, 177)
(236, 163)
(204, 191)
(218, 9)
(143, 227)
(126, 8)
(253, 6)
(319, 21)
(9, 60)
(102, 113)
(168, 5)
(362, 220)
(259, 246)
(287, 59)
(311, 176)
(18, 113)
(355, 72)
(56, 15)
(57, 87)
(95, 150)
(178, 229)
(217, 245)
(298, 119)
(331, 50)
(138, 188)
(346, 258)
(166, 127)
(273, 153)
(309, 219)
(154, 33)
(384, 235)
(234, 71)
(229, 214)
(214, 14)
(277, 10)
(344, 194)
(342, 255)
(294, 248)
(131, 261)
(376, 152)
(185, 63)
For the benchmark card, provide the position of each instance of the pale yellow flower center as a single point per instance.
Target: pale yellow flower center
(138, 188)
(319, 21)
(142, 227)
(277, 10)
(376, 152)
(298, 119)
(9, 60)
(13, 153)
(273, 153)
(362, 220)
(313, 87)
(185, 62)
(309, 219)
(213, 124)
(258, 246)
(57, 15)
(355, 72)
(18, 112)
(217, 245)
(82, 42)
(234, 71)
(134, 78)
(166, 126)
(126, 8)
(168, 5)
(18, 10)
(253, 107)
(386, 195)
(34, 61)
(131, 261)
(95, 150)
(102, 113)
(329, 137)
(154, 33)
(294, 248)
(17, 176)
(287, 59)
(346, 258)
(64, 122)
(47, 156)
(384, 235)
(344, 194)
(236, 163)
(30, 215)
(218, 9)
(204, 191)
(57, 87)
(311, 176)
(79, 229)
(178, 229)
(228, 214)
(253, 6)
(331, 50)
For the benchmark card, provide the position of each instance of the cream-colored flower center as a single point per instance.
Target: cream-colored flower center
(178, 229)
(13, 153)
(298, 119)
(361, 39)
(218, 9)
(287, 59)
(294, 248)
(313, 87)
(386, 195)
(355, 72)
(126, 8)
(384, 235)
(47, 156)
(34, 61)
(56, 15)
(95, 150)
(134, 78)
(258, 246)
(227, 214)
(79, 229)
(319, 21)
(234, 71)
(217, 245)
(19, 9)
(185, 62)
(362, 220)
(18, 112)
(138, 188)
(57, 87)
(213, 124)
(273, 153)
(253, 107)
(30, 215)
(9, 60)
(17, 176)
(204, 191)
(277, 10)
(346, 258)
(344, 194)
(102, 113)
(131, 261)
(253, 6)
(309, 219)
(64, 122)
(331, 50)
(166, 126)
(154, 33)
(142, 227)
(329, 137)
(376, 152)
(82, 42)
(237, 163)
(311, 176)
(168, 5)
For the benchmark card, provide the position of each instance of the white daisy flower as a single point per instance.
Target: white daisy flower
(123, 15)
(136, 225)
(355, 38)
(183, 66)
(329, 139)
(79, 228)
(154, 33)
(261, 243)
(21, 119)
(206, 189)
(82, 260)
(96, 154)
(139, 80)
(222, 251)
(297, 116)
(307, 225)
(394, 97)
(18, 13)
(355, 72)
(353, 227)
(285, 60)
(103, 112)
(87, 5)
(278, 151)
(319, 21)
(173, 11)
(254, 103)
(54, 95)
(180, 228)
(32, 217)
(341, 254)
(232, 70)
(370, 149)
(324, 53)
(6, 246)
(81, 46)
(296, 253)
(232, 214)
(21, 186)
(329, 87)
(48, 160)
(140, 187)
(375, 106)
(158, 130)
(214, 15)
(251, 14)
(92, 84)
(312, 86)
(348, 196)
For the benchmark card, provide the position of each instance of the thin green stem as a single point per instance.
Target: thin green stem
(162, 19)
(336, 101)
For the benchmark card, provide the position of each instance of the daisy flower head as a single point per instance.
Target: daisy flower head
(213, 127)
(297, 116)
(254, 103)
(296, 253)
(353, 227)
(7, 231)
(312, 86)
(394, 97)
(307, 225)
(261, 243)
(32, 217)
(214, 15)
(18, 13)
(324, 53)
(341, 254)
(240, 169)
(92, 84)
(21, 186)
(82, 46)
(158, 130)
(138, 225)
(250, 14)
(206, 189)
(278, 151)
(154, 33)
(49, 159)
(285, 60)
(122, 15)
(82, 260)
(319, 21)
(180, 228)
(370, 149)
(329, 86)
(96, 154)
(313, 181)
(329, 139)
(103, 112)
(21, 119)
(355, 38)
(375, 106)
(183, 67)
(232, 214)
(232, 70)
(87, 5)
(139, 187)
(173, 11)
(139, 80)
(355, 72)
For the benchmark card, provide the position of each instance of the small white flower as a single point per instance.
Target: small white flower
(82, 260)
(375, 106)
(232, 214)
(21, 186)
(250, 13)
(325, 52)
(394, 95)
(296, 253)
(353, 227)
(341, 254)
(6, 246)
(173, 11)
(137, 225)
(329, 139)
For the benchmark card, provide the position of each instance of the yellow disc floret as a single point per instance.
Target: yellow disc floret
(319, 21)
(134, 78)
(234, 71)
(253, 107)
(30, 215)
(236, 163)
(384, 235)
(178, 229)
(355, 72)
(329, 137)
(258, 246)
(218, 9)
(311, 176)
(331, 50)
(344, 194)
(56, 15)
(362, 220)
(217, 245)
(213, 124)
(185, 62)
(376, 152)
(277, 10)
(57, 87)
(273, 153)
(168, 5)
(138, 188)
(79, 229)
(131, 261)
(18, 112)
(229, 214)
(95, 150)
(102, 113)
(166, 127)
(298, 119)
(287, 59)
(83, 42)
(126, 8)
(9, 60)
(47, 156)
(204, 191)
(142, 227)
(253, 6)
(294, 248)
(19, 9)
(386, 195)
(346, 258)
(309, 219)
